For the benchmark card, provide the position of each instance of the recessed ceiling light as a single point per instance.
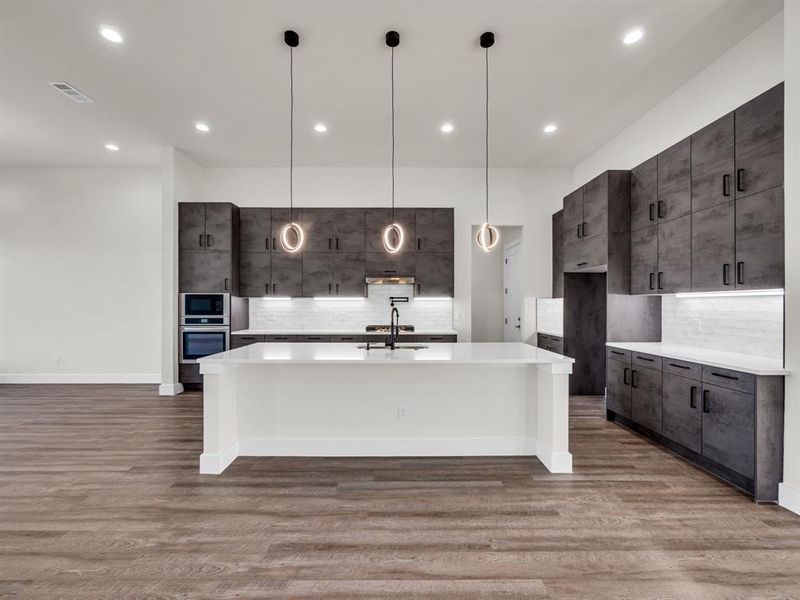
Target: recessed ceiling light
(550, 128)
(112, 147)
(202, 127)
(446, 127)
(111, 34)
(633, 36)
(320, 128)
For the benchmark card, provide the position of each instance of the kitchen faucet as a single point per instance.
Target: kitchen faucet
(394, 326)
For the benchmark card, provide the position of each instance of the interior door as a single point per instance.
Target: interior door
(759, 241)
(512, 294)
(675, 256)
(759, 143)
(713, 164)
(644, 260)
(644, 187)
(713, 248)
(729, 428)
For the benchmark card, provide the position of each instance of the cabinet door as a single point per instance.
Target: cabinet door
(377, 219)
(759, 143)
(279, 219)
(729, 428)
(434, 274)
(644, 185)
(219, 225)
(618, 388)
(254, 274)
(646, 398)
(759, 241)
(318, 229)
(205, 271)
(675, 256)
(681, 411)
(712, 164)
(317, 274)
(383, 264)
(595, 207)
(573, 216)
(287, 274)
(589, 254)
(674, 182)
(349, 230)
(713, 248)
(191, 225)
(254, 232)
(644, 260)
(348, 274)
(434, 229)
(558, 254)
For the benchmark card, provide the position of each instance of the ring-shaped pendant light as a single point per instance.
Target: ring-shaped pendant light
(488, 235)
(393, 234)
(291, 229)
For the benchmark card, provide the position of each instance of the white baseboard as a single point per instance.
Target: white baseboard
(80, 378)
(170, 389)
(556, 462)
(214, 464)
(789, 497)
(387, 447)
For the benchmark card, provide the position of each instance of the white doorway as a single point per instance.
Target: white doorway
(512, 294)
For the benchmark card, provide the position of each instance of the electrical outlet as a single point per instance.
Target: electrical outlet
(457, 316)
(402, 412)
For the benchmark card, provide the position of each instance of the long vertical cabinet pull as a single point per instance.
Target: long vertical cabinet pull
(726, 274)
(692, 393)
(652, 211)
(625, 376)
(740, 273)
(739, 180)
(662, 214)
(227, 287)
(583, 229)
(706, 401)
(633, 378)
(201, 240)
(273, 289)
(267, 243)
(661, 280)
(726, 185)
(579, 230)
(652, 281)
(266, 289)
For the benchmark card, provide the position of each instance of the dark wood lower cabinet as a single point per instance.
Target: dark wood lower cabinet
(618, 387)
(646, 398)
(681, 411)
(729, 428)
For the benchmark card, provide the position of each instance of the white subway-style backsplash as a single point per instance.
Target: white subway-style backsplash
(550, 316)
(320, 314)
(744, 324)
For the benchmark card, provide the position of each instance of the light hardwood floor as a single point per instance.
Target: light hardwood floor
(100, 498)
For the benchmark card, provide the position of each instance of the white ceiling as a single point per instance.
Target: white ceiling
(225, 63)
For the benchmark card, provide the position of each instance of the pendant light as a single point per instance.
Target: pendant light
(393, 235)
(292, 234)
(487, 236)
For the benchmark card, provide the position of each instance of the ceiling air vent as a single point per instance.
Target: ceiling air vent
(71, 92)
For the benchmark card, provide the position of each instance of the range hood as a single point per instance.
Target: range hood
(390, 280)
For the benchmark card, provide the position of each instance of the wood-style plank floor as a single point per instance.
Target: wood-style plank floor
(100, 498)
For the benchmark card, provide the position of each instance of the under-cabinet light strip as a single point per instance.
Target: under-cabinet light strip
(729, 294)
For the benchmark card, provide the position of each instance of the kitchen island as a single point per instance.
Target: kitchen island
(291, 399)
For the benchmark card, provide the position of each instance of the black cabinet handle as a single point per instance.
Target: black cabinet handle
(678, 366)
(652, 212)
(266, 247)
(725, 376)
(740, 273)
(581, 264)
(209, 240)
(226, 284)
(273, 289)
(617, 352)
(652, 281)
(706, 401)
(337, 289)
(692, 392)
(726, 185)
(266, 289)
(583, 229)
(419, 288)
(330, 286)
(201, 240)
(329, 243)
(337, 243)
(634, 372)
(273, 243)
(726, 274)
(625, 375)
(661, 280)
(579, 230)
(739, 180)
(645, 358)
(662, 204)
(419, 243)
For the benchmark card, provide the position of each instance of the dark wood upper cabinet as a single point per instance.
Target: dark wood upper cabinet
(280, 217)
(434, 274)
(383, 264)
(219, 225)
(713, 248)
(349, 229)
(191, 225)
(759, 143)
(558, 254)
(434, 229)
(208, 242)
(255, 229)
(286, 274)
(317, 274)
(348, 274)
(377, 219)
(644, 196)
(644, 260)
(760, 240)
(595, 206)
(207, 271)
(729, 428)
(318, 229)
(674, 256)
(682, 411)
(713, 164)
(573, 216)
(254, 274)
(674, 182)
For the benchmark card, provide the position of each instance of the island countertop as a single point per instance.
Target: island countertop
(439, 353)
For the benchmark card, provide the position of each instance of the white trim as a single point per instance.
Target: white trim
(518, 446)
(556, 462)
(170, 389)
(789, 497)
(80, 378)
(214, 464)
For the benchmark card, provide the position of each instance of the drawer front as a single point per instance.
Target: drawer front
(280, 338)
(433, 338)
(682, 368)
(313, 338)
(353, 339)
(237, 341)
(619, 354)
(733, 380)
(542, 341)
(557, 347)
(649, 361)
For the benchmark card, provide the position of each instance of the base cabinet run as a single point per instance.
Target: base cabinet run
(727, 422)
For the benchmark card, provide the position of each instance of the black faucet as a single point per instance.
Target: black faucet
(394, 326)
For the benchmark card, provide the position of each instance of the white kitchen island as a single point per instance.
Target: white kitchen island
(328, 399)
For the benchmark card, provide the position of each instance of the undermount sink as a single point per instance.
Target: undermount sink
(386, 347)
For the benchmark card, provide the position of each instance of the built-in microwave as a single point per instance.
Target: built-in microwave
(203, 340)
(205, 309)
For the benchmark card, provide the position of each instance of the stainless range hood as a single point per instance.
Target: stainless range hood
(390, 280)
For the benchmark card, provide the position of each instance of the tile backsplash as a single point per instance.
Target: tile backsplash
(744, 324)
(550, 316)
(320, 314)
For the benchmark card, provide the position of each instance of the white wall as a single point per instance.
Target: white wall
(518, 197)
(79, 275)
(487, 291)
(752, 66)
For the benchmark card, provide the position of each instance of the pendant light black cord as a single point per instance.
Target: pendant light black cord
(392, 78)
(291, 134)
(487, 136)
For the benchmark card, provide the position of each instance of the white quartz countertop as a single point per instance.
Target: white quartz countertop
(337, 332)
(322, 353)
(757, 365)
